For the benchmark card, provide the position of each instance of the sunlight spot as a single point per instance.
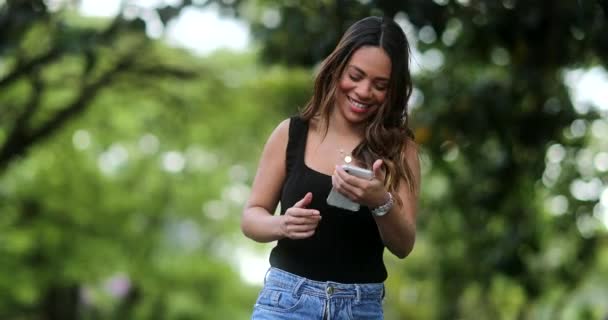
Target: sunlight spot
(215, 210)
(111, 160)
(586, 191)
(601, 161)
(588, 88)
(271, 18)
(584, 162)
(599, 128)
(500, 56)
(551, 174)
(173, 161)
(200, 159)
(432, 59)
(450, 151)
(556, 153)
(252, 265)
(586, 225)
(238, 173)
(427, 34)
(204, 30)
(110, 8)
(604, 197)
(148, 143)
(81, 139)
(557, 205)
(184, 234)
(578, 128)
(600, 212)
(452, 31)
(118, 285)
(237, 193)
(154, 25)
(51, 5)
(416, 99)
(437, 187)
(402, 19)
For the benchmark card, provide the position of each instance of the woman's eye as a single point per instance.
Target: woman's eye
(354, 77)
(381, 87)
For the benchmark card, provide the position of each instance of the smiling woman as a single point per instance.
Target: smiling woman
(328, 261)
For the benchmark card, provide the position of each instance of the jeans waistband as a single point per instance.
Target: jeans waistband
(282, 280)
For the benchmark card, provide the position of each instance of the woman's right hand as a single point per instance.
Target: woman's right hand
(299, 222)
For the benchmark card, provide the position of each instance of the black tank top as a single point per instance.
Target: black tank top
(346, 246)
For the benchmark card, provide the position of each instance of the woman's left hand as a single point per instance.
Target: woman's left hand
(370, 193)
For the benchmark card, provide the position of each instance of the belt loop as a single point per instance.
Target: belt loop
(266, 275)
(296, 289)
(383, 292)
(358, 297)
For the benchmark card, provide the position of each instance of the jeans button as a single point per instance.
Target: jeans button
(330, 290)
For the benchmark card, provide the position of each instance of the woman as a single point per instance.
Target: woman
(327, 263)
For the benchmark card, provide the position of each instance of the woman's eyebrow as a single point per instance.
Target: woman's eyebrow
(363, 72)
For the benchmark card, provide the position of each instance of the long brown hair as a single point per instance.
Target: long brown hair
(387, 132)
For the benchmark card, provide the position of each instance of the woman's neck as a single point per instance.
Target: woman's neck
(338, 125)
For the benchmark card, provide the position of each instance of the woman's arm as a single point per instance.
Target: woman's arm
(397, 227)
(258, 221)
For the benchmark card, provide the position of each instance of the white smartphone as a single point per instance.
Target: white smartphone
(339, 200)
(358, 172)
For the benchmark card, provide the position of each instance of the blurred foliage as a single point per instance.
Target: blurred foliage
(124, 164)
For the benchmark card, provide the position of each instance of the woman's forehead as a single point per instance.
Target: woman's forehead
(373, 61)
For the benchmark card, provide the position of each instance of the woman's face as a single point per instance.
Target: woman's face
(364, 83)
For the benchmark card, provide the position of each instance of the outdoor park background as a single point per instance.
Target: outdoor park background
(125, 161)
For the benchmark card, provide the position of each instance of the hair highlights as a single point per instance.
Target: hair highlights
(387, 133)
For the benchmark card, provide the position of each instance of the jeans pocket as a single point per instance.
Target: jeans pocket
(278, 301)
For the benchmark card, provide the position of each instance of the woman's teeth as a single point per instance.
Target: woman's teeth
(358, 104)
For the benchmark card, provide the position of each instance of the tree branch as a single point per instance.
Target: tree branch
(19, 141)
(29, 66)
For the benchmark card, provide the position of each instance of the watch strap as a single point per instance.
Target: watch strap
(384, 208)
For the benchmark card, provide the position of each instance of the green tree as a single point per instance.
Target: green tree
(121, 180)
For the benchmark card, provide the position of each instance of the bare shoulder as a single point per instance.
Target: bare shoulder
(280, 135)
(411, 153)
(283, 127)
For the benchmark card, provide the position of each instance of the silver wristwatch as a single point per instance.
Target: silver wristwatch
(385, 208)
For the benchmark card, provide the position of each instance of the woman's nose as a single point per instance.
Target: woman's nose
(364, 90)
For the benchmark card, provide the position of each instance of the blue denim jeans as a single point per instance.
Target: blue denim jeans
(287, 296)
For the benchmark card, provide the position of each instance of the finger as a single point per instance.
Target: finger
(301, 228)
(377, 169)
(345, 177)
(350, 183)
(304, 202)
(300, 212)
(302, 235)
(304, 220)
(344, 188)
